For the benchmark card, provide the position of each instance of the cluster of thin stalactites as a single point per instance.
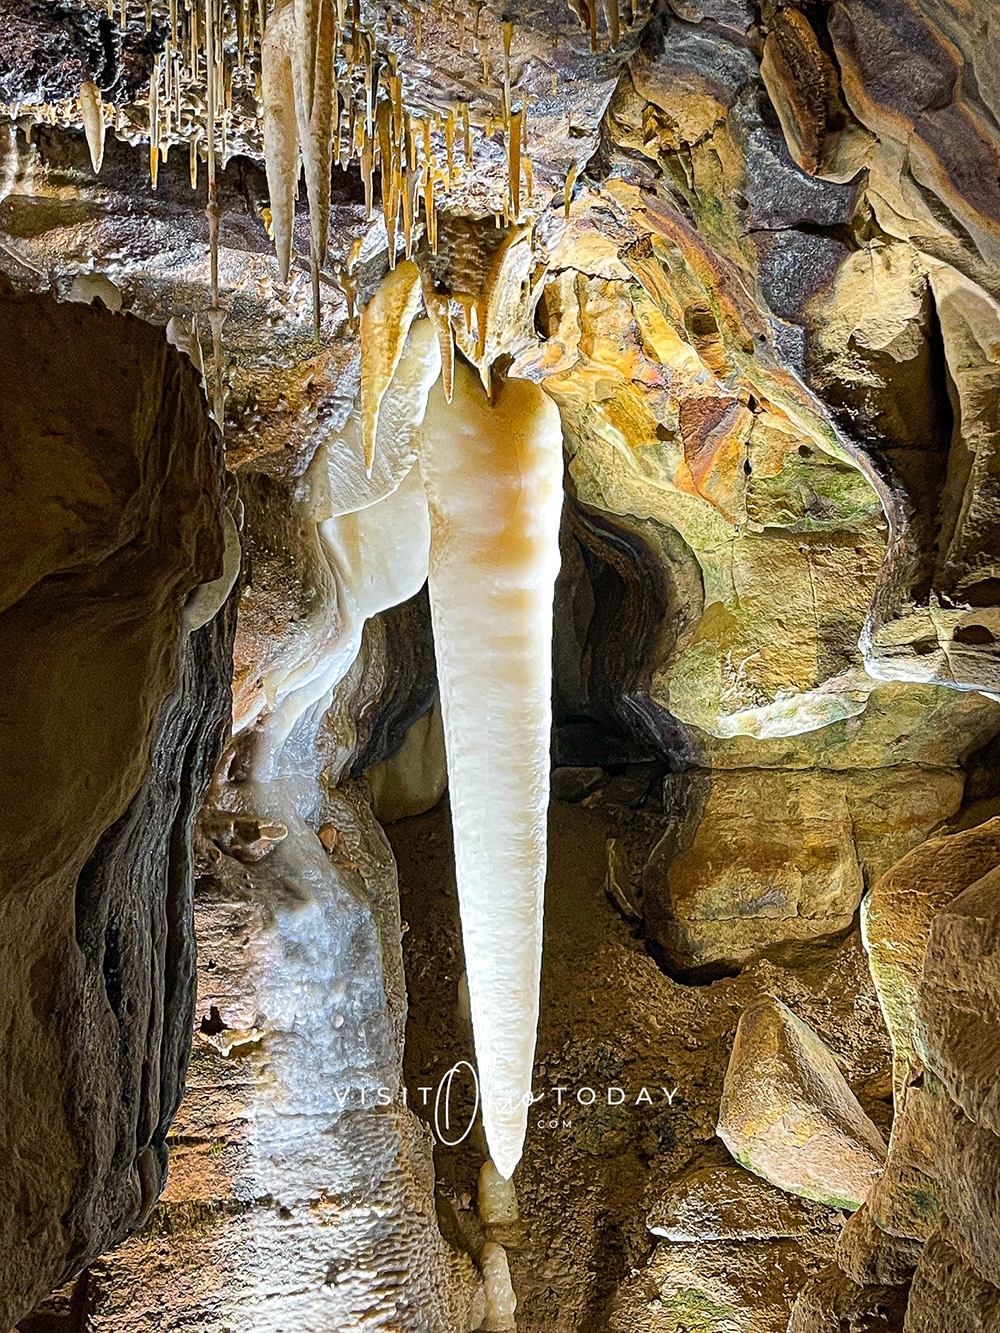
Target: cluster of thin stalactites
(333, 92)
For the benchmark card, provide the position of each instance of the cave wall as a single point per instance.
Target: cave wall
(114, 718)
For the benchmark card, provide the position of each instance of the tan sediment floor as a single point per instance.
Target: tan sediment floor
(640, 1059)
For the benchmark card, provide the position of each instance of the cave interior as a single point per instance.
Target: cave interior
(500, 613)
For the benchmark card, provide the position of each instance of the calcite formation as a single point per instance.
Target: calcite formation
(738, 266)
(493, 474)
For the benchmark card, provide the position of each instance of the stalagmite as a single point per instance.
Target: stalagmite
(500, 1299)
(280, 127)
(385, 322)
(493, 474)
(92, 111)
(496, 1201)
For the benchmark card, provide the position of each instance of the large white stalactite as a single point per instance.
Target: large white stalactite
(474, 487)
(493, 474)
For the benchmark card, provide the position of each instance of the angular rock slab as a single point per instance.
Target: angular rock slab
(788, 1115)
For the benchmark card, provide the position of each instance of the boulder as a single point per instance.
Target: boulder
(968, 1168)
(772, 861)
(906, 1200)
(787, 1113)
(720, 1287)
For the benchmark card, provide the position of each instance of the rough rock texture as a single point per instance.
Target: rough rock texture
(898, 918)
(832, 1303)
(960, 999)
(301, 1188)
(931, 935)
(745, 1288)
(767, 310)
(767, 861)
(947, 1295)
(873, 1257)
(113, 508)
(728, 1203)
(788, 1114)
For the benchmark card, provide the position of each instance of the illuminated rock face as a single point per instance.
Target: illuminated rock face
(788, 1114)
(115, 715)
(767, 318)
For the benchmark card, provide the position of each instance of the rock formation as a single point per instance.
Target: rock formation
(116, 711)
(718, 284)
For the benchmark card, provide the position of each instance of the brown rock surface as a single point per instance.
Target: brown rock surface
(898, 919)
(718, 1287)
(765, 861)
(948, 1296)
(112, 515)
(960, 998)
(832, 1303)
(871, 1256)
(714, 1203)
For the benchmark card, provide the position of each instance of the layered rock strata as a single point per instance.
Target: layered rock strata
(113, 519)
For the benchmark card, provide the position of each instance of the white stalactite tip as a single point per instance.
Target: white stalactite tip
(493, 474)
(92, 112)
(385, 322)
(280, 128)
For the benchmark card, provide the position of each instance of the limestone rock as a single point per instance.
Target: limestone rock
(948, 1296)
(287, 1190)
(906, 1201)
(112, 516)
(968, 1171)
(725, 1202)
(573, 784)
(960, 998)
(896, 921)
(832, 1303)
(873, 1257)
(770, 861)
(722, 1287)
(788, 1115)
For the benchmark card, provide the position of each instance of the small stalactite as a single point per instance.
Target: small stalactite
(92, 114)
